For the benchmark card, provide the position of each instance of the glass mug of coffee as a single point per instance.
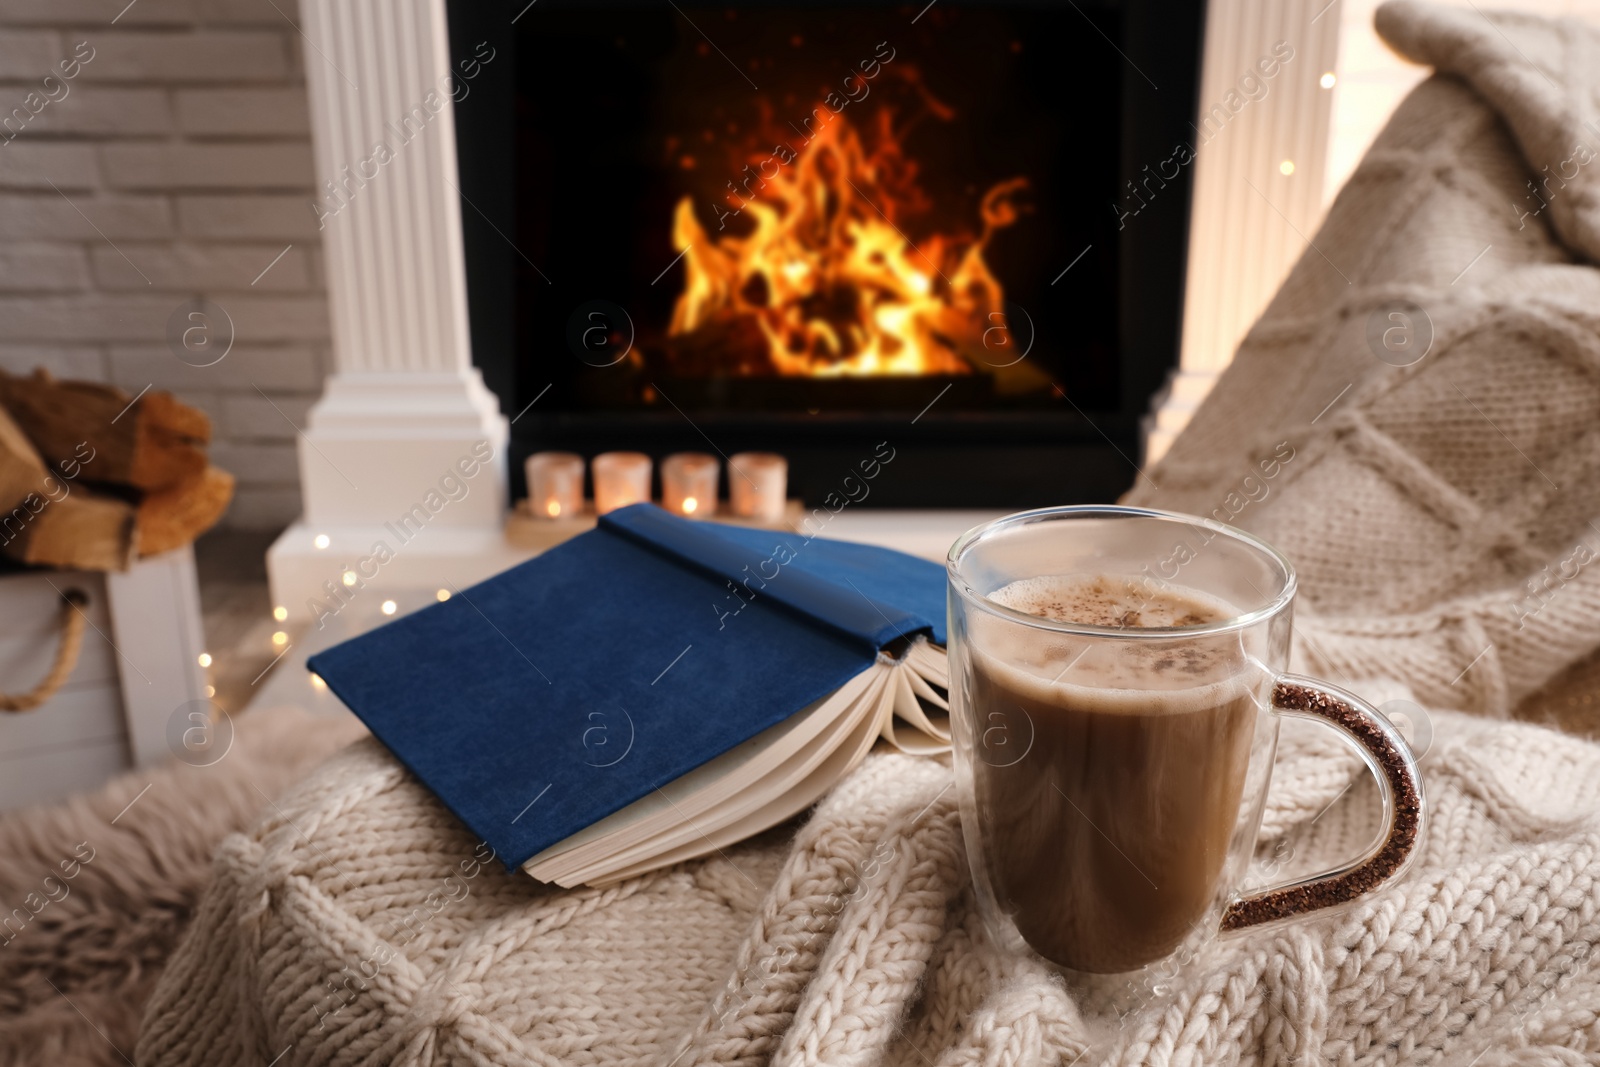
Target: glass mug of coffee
(1116, 680)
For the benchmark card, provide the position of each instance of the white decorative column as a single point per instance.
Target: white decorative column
(405, 415)
(1248, 219)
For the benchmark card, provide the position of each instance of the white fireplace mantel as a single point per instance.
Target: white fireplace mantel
(386, 451)
(405, 408)
(1249, 220)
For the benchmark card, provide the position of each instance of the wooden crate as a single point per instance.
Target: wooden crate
(137, 671)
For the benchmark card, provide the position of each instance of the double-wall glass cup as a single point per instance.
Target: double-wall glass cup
(1117, 683)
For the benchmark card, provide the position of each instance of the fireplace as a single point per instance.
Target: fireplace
(811, 228)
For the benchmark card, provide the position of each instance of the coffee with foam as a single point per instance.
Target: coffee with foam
(1118, 603)
(1107, 820)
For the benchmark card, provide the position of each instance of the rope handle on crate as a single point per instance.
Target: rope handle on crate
(73, 620)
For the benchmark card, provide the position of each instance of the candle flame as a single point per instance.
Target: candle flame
(689, 505)
(553, 508)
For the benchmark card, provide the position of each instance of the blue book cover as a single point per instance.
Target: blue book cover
(662, 640)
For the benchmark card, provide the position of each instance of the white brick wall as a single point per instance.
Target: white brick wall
(176, 165)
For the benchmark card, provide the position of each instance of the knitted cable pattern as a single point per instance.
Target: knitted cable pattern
(1443, 515)
(354, 927)
(358, 923)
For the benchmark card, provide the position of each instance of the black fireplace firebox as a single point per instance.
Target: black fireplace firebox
(809, 228)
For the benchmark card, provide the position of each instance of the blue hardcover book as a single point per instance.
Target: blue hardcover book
(654, 689)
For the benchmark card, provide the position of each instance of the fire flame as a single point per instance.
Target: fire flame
(828, 275)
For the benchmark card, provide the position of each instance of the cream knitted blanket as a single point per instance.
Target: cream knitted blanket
(1441, 513)
(359, 924)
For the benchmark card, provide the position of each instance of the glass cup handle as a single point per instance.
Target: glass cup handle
(1391, 761)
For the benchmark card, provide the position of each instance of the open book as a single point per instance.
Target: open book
(654, 690)
(781, 771)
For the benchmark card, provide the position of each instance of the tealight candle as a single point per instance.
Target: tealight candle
(620, 479)
(555, 484)
(689, 484)
(757, 485)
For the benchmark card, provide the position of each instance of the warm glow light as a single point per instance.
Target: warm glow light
(211, 690)
(687, 480)
(620, 479)
(205, 659)
(756, 485)
(826, 279)
(317, 682)
(1328, 80)
(321, 541)
(388, 607)
(1286, 167)
(349, 577)
(280, 613)
(555, 484)
(442, 595)
(280, 638)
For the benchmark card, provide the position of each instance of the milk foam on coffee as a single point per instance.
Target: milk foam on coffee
(1107, 822)
(1101, 600)
(1189, 674)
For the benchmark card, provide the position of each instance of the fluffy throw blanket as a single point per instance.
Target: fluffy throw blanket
(96, 891)
(359, 924)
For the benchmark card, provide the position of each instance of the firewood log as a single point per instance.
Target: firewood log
(21, 469)
(172, 517)
(155, 443)
(50, 520)
(52, 517)
(83, 531)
